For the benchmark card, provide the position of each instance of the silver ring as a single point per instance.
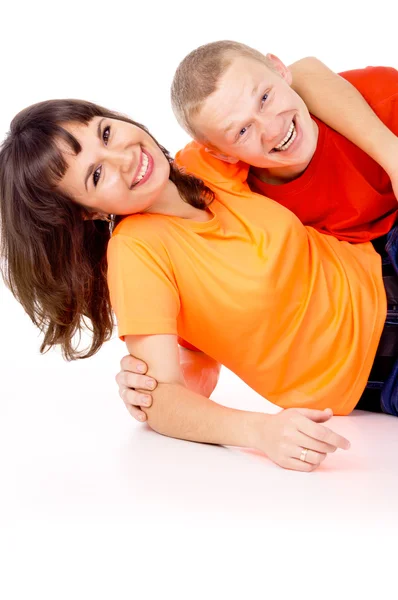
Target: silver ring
(303, 454)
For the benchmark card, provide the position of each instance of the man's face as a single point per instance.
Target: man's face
(256, 117)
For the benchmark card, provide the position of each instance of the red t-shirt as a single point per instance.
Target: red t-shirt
(343, 192)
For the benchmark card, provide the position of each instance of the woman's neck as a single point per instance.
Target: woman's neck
(170, 203)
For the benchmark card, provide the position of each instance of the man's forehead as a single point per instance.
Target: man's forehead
(229, 103)
(242, 67)
(242, 76)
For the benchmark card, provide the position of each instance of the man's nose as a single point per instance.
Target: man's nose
(271, 131)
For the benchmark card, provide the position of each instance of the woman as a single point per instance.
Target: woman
(68, 165)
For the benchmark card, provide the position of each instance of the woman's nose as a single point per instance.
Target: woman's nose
(121, 159)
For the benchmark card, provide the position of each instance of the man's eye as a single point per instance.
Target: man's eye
(96, 176)
(105, 134)
(263, 99)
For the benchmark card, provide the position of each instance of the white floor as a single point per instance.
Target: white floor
(95, 505)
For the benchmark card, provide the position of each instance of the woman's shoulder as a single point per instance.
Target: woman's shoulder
(141, 226)
(142, 234)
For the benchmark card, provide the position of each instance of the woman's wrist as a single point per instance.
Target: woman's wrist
(254, 429)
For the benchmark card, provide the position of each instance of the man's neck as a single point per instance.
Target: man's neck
(277, 176)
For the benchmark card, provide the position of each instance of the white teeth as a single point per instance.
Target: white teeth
(143, 170)
(288, 139)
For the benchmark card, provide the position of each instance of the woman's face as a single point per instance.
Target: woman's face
(120, 169)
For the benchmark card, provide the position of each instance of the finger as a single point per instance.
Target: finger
(134, 398)
(319, 416)
(322, 433)
(130, 363)
(311, 457)
(141, 382)
(136, 413)
(306, 441)
(295, 464)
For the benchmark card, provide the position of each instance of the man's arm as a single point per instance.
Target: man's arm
(200, 372)
(179, 412)
(339, 104)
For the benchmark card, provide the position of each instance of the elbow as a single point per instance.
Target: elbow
(305, 69)
(307, 61)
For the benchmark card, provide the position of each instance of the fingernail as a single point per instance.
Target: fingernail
(141, 368)
(146, 400)
(150, 383)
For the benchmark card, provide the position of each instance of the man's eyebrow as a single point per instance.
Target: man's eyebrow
(229, 127)
(255, 89)
(91, 167)
(234, 124)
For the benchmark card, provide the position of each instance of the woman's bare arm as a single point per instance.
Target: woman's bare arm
(200, 373)
(179, 412)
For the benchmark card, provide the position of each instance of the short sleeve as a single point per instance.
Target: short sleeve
(142, 288)
(376, 84)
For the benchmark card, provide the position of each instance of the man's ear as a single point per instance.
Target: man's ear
(223, 157)
(277, 65)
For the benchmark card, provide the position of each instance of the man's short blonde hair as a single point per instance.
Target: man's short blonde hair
(197, 77)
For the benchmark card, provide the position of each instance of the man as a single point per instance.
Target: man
(239, 106)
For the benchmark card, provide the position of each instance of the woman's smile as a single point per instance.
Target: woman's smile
(123, 159)
(144, 169)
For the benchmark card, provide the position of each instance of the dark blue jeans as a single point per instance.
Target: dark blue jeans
(381, 393)
(389, 392)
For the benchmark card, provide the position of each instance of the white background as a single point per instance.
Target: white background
(94, 505)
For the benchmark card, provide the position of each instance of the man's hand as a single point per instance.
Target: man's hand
(135, 386)
(284, 436)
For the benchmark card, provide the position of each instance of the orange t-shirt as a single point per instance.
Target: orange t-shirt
(343, 192)
(295, 314)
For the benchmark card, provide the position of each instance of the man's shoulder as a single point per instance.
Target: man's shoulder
(376, 84)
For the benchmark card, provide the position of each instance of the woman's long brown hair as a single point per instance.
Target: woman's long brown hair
(54, 260)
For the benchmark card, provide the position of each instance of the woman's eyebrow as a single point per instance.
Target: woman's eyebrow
(91, 167)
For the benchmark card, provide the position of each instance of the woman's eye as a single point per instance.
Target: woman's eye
(105, 134)
(96, 176)
(263, 99)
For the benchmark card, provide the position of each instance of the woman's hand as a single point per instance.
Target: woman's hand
(135, 386)
(284, 436)
(200, 372)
